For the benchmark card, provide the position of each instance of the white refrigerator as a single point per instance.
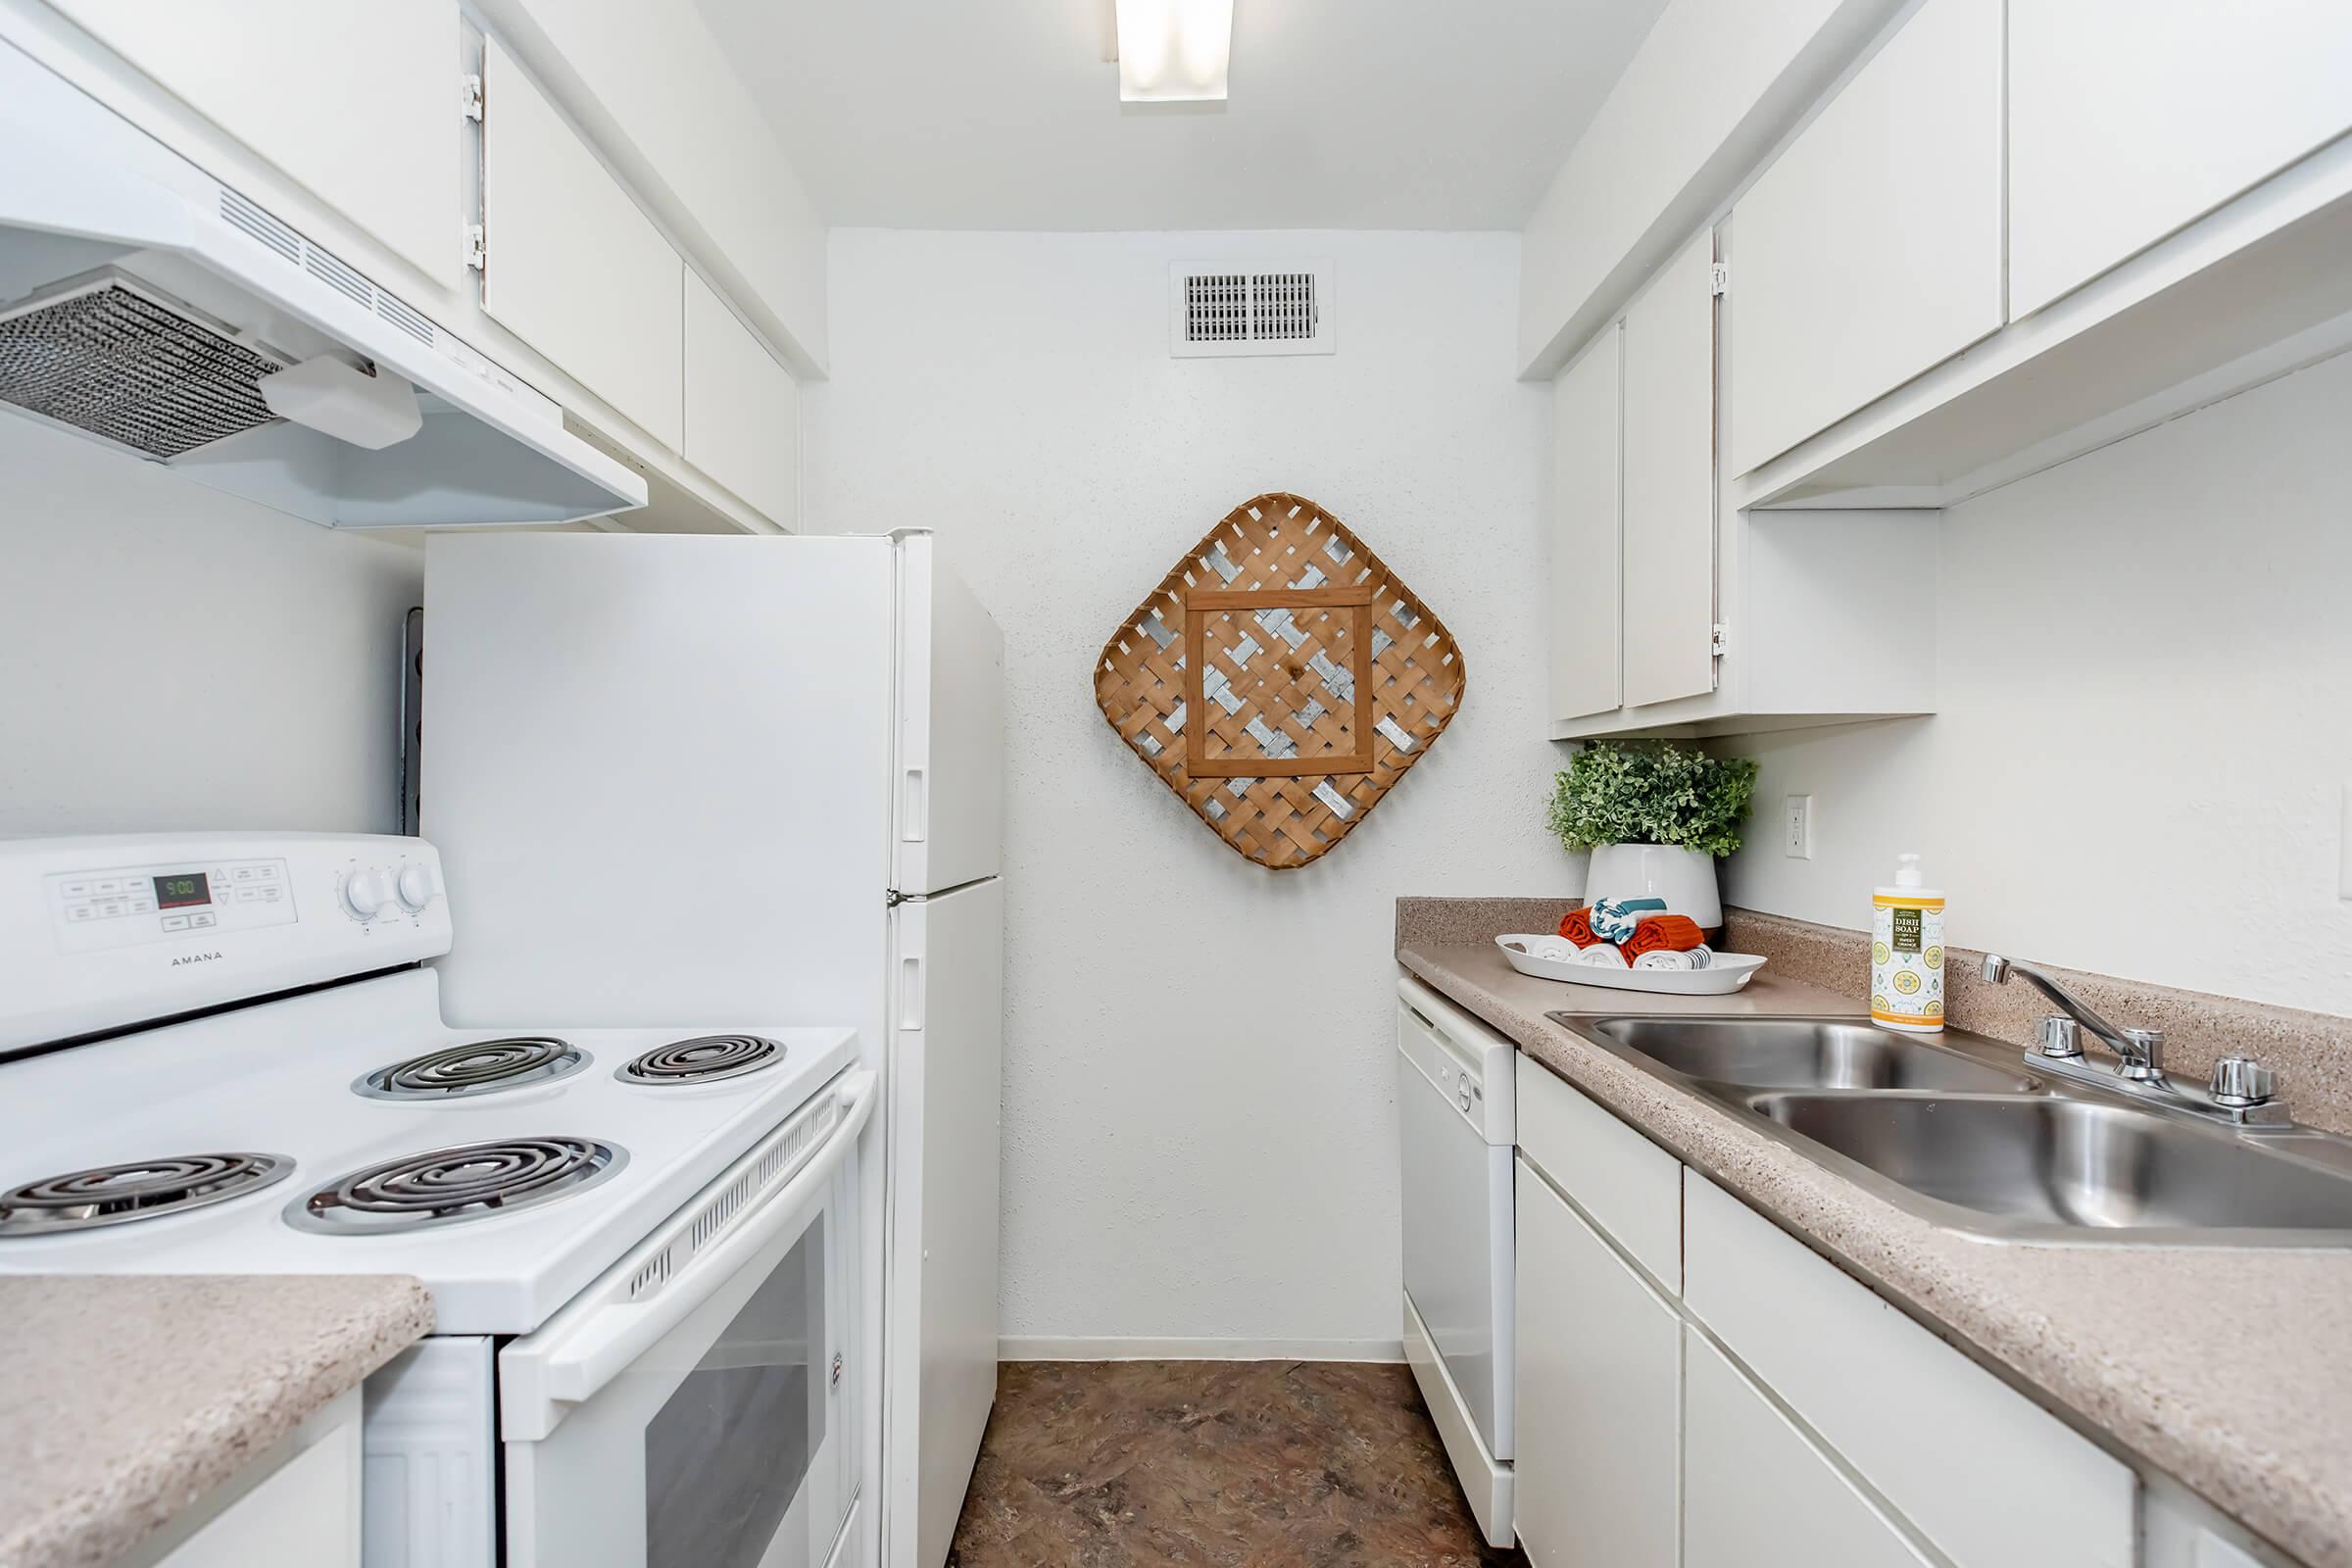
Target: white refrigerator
(681, 779)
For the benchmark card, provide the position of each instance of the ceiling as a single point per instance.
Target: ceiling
(1345, 114)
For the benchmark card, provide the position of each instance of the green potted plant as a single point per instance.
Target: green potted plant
(1656, 816)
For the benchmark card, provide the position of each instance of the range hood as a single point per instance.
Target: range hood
(145, 306)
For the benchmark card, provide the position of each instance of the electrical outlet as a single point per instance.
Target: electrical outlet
(1796, 827)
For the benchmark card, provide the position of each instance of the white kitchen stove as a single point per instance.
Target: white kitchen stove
(278, 1079)
(641, 1243)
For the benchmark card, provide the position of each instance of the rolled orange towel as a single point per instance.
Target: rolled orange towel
(1672, 933)
(1577, 926)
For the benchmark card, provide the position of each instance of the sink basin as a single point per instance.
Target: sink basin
(2056, 1168)
(1803, 1054)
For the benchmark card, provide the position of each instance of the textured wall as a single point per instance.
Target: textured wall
(179, 659)
(1199, 1111)
(2140, 746)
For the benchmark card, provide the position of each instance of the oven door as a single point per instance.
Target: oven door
(697, 1407)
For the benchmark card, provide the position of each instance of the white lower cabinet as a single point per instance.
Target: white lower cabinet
(1599, 1363)
(1699, 1388)
(1758, 1493)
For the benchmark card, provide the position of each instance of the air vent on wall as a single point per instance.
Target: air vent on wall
(1224, 310)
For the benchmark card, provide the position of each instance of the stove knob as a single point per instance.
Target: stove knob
(415, 887)
(364, 894)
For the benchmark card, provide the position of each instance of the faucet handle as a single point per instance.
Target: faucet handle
(2148, 1062)
(2242, 1081)
(2060, 1036)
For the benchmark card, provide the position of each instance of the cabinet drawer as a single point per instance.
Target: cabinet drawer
(1629, 1186)
(1913, 1417)
(1757, 1493)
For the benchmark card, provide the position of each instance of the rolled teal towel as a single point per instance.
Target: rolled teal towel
(1614, 919)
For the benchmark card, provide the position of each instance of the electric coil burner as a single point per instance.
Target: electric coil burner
(703, 1059)
(148, 1189)
(456, 1185)
(479, 1067)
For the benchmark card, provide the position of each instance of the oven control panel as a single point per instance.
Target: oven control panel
(107, 932)
(118, 907)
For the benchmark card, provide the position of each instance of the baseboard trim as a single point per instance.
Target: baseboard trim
(1052, 1348)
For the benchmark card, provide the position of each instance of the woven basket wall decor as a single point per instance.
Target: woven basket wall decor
(1280, 679)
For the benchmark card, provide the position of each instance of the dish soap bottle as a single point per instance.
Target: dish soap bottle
(1906, 953)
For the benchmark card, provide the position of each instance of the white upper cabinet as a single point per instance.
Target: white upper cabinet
(1585, 534)
(1670, 482)
(574, 270)
(1872, 249)
(743, 411)
(354, 100)
(2129, 118)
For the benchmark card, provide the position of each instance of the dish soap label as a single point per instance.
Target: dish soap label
(1906, 953)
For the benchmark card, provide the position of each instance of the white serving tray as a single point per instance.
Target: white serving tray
(1725, 975)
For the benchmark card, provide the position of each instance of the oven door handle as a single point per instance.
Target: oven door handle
(571, 1358)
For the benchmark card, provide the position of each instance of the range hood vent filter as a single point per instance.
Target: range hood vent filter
(124, 366)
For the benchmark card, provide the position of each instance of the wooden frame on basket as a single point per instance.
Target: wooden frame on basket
(1200, 604)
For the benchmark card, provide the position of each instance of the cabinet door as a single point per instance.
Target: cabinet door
(743, 410)
(354, 100)
(1670, 482)
(1757, 1493)
(1871, 250)
(1597, 1396)
(2130, 117)
(575, 268)
(1585, 534)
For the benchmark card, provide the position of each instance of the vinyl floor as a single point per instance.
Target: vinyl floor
(1137, 1464)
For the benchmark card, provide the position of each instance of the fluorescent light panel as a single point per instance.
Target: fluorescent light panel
(1174, 51)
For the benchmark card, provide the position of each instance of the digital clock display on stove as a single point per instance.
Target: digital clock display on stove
(180, 891)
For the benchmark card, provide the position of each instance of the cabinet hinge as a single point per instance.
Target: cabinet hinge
(469, 95)
(1718, 278)
(1722, 643)
(477, 249)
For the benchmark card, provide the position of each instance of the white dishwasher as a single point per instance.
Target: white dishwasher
(1456, 1126)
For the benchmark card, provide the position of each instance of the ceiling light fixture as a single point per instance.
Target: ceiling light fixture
(1174, 51)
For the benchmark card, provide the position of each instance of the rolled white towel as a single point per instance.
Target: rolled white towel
(1662, 958)
(1558, 950)
(1700, 957)
(1601, 955)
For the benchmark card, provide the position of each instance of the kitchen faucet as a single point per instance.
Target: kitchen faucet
(2240, 1092)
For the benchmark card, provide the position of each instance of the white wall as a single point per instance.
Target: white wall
(172, 657)
(2142, 737)
(1199, 1118)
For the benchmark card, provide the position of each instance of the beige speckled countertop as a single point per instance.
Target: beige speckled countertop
(2230, 1371)
(125, 1398)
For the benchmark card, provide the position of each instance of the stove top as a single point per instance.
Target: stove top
(488, 1163)
(453, 1186)
(703, 1059)
(145, 1188)
(477, 1068)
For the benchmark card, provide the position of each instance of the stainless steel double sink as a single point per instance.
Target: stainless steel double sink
(1960, 1130)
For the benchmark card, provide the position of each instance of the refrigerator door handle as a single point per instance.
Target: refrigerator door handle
(910, 993)
(914, 821)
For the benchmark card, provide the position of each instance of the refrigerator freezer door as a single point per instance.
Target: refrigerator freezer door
(946, 1027)
(949, 815)
(658, 769)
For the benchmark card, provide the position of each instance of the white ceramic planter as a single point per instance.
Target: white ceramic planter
(1684, 878)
